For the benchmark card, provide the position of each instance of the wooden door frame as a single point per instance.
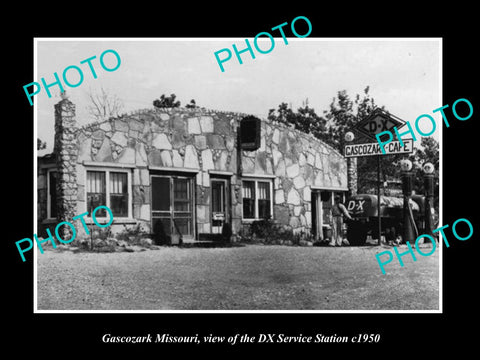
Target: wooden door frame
(226, 200)
(191, 186)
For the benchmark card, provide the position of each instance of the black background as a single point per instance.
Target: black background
(80, 334)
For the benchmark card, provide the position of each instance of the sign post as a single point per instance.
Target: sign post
(378, 202)
(378, 121)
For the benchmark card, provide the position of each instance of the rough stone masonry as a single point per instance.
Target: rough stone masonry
(201, 141)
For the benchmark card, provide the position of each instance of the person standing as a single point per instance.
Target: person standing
(338, 211)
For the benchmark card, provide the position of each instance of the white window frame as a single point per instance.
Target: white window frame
(107, 171)
(49, 200)
(256, 180)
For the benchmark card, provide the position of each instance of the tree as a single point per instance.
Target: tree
(192, 105)
(305, 119)
(41, 144)
(104, 105)
(428, 151)
(341, 116)
(166, 101)
(283, 114)
(344, 113)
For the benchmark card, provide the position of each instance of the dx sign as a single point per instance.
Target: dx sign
(356, 205)
(378, 124)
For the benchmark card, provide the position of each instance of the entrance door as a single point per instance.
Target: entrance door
(317, 215)
(219, 204)
(172, 209)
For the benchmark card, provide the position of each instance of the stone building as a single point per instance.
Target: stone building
(180, 173)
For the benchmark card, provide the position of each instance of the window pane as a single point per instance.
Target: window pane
(118, 183)
(248, 192)
(217, 196)
(96, 181)
(264, 209)
(180, 189)
(161, 193)
(118, 194)
(181, 194)
(248, 208)
(248, 189)
(264, 190)
(182, 205)
(96, 192)
(119, 205)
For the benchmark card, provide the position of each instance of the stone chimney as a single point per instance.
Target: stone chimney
(66, 152)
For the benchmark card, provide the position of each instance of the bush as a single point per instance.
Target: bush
(266, 231)
(226, 232)
(263, 229)
(131, 235)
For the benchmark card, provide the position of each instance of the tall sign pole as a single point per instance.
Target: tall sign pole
(378, 202)
(377, 122)
(408, 221)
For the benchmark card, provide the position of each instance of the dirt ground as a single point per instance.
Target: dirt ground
(252, 277)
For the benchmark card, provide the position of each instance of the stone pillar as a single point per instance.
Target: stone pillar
(352, 175)
(66, 152)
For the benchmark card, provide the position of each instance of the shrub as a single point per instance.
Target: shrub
(131, 235)
(263, 229)
(226, 232)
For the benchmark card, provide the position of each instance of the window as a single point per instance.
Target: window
(96, 194)
(119, 194)
(249, 199)
(115, 196)
(264, 211)
(52, 194)
(257, 199)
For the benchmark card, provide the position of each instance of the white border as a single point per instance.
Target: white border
(339, 39)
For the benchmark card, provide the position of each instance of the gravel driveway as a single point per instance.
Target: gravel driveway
(253, 277)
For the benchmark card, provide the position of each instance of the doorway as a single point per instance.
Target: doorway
(322, 217)
(317, 215)
(172, 209)
(220, 203)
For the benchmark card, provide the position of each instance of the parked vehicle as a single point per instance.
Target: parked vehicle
(363, 209)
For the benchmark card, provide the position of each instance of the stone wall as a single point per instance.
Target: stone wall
(205, 141)
(299, 163)
(193, 139)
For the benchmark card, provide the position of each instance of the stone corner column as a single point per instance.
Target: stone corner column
(66, 153)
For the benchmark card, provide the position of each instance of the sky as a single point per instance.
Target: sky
(404, 75)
